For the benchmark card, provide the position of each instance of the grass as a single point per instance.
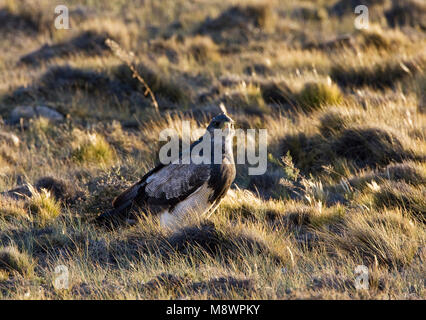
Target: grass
(92, 148)
(345, 182)
(43, 206)
(404, 196)
(378, 236)
(315, 95)
(14, 261)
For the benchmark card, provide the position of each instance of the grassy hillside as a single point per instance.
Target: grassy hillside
(345, 111)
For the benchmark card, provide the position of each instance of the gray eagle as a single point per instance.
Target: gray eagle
(172, 191)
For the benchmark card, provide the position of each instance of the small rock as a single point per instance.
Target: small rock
(29, 112)
(24, 112)
(48, 113)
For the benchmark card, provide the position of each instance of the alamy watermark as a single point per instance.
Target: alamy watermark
(361, 280)
(62, 21)
(61, 281)
(362, 21)
(251, 147)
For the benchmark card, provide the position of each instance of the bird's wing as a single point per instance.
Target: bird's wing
(166, 185)
(177, 181)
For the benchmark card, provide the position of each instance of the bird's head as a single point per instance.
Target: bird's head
(221, 122)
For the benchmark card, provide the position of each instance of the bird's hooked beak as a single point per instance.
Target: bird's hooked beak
(228, 127)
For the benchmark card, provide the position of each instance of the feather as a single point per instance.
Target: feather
(127, 195)
(177, 189)
(222, 108)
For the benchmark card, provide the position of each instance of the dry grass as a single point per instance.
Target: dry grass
(316, 95)
(14, 261)
(345, 114)
(43, 207)
(92, 148)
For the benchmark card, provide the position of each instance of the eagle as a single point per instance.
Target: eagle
(173, 191)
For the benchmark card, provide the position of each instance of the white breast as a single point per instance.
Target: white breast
(197, 203)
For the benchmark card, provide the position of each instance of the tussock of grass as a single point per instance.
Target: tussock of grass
(247, 97)
(92, 148)
(69, 79)
(43, 206)
(203, 240)
(11, 208)
(309, 153)
(310, 11)
(407, 13)
(370, 147)
(202, 48)
(386, 236)
(88, 43)
(315, 95)
(359, 146)
(334, 121)
(381, 39)
(299, 215)
(408, 172)
(223, 240)
(14, 261)
(29, 16)
(378, 75)
(421, 93)
(267, 185)
(404, 196)
(277, 92)
(259, 16)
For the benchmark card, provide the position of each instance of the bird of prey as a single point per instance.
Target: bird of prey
(173, 191)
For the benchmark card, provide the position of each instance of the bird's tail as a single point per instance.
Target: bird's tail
(122, 206)
(114, 215)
